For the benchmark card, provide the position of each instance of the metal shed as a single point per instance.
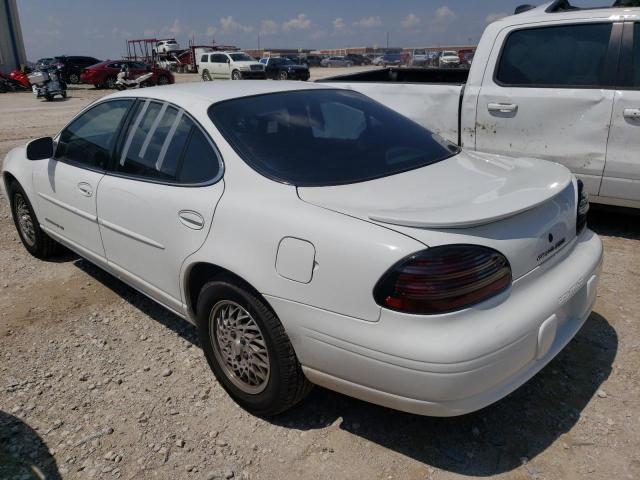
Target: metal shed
(12, 53)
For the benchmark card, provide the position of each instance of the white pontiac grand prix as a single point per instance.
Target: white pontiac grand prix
(315, 236)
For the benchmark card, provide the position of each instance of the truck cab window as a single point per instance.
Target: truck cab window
(560, 56)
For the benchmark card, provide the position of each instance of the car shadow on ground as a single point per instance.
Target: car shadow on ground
(23, 454)
(150, 308)
(494, 440)
(615, 221)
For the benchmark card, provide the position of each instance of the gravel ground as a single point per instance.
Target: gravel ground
(96, 381)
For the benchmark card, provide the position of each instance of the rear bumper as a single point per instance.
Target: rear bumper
(452, 364)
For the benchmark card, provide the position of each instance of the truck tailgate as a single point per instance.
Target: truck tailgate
(434, 106)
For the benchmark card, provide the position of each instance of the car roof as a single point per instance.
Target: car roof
(540, 14)
(190, 95)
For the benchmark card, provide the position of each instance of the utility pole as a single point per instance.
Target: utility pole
(387, 40)
(258, 41)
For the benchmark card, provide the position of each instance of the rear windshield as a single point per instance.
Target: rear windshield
(325, 137)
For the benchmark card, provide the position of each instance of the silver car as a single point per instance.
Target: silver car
(338, 61)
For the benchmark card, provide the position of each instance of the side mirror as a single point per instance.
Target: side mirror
(228, 60)
(40, 149)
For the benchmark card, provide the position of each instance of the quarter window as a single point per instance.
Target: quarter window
(164, 144)
(562, 56)
(89, 139)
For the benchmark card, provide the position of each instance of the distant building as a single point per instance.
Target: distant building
(276, 52)
(12, 53)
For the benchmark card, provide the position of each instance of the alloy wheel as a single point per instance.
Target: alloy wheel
(25, 220)
(239, 347)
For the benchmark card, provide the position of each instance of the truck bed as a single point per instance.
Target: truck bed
(405, 75)
(428, 96)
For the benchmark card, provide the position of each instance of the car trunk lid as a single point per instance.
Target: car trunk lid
(523, 207)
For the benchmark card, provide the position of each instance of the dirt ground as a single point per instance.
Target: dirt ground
(96, 381)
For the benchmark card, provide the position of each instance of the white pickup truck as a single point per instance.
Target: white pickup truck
(554, 82)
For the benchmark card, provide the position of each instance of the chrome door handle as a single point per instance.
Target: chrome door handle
(85, 189)
(632, 113)
(191, 219)
(502, 107)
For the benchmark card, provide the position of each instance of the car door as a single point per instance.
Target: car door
(218, 65)
(156, 204)
(66, 185)
(551, 95)
(621, 179)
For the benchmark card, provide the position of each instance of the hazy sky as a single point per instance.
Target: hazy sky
(100, 28)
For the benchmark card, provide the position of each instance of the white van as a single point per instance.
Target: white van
(229, 66)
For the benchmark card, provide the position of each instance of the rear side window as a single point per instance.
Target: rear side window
(164, 144)
(325, 137)
(89, 139)
(562, 56)
(204, 58)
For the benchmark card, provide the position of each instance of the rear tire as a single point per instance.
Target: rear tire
(74, 78)
(34, 239)
(248, 349)
(163, 80)
(283, 75)
(206, 76)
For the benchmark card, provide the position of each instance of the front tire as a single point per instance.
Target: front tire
(163, 80)
(206, 76)
(74, 78)
(248, 349)
(110, 82)
(34, 239)
(235, 75)
(283, 75)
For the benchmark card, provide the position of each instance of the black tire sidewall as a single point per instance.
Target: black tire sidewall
(35, 249)
(265, 401)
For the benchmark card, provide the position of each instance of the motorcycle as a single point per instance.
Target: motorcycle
(47, 82)
(22, 77)
(124, 83)
(9, 83)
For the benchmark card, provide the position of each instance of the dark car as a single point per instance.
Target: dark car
(282, 68)
(313, 60)
(358, 59)
(45, 62)
(71, 67)
(391, 59)
(105, 74)
(306, 60)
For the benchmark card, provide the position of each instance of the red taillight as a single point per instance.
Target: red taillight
(443, 279)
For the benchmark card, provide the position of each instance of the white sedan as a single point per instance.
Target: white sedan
(315, 236)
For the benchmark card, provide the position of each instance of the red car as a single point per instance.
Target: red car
(104, 74)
